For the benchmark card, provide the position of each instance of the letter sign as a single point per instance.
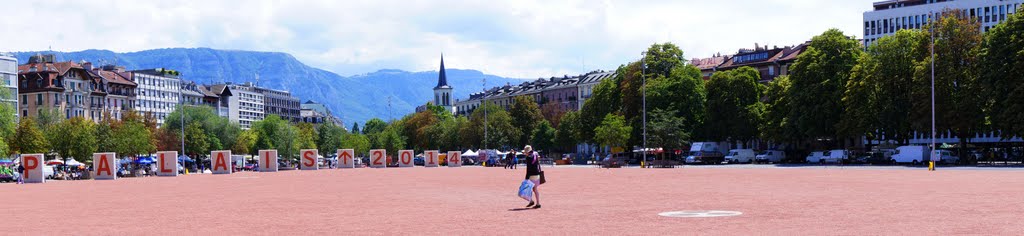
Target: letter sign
(33, 164)
(430, 158)
(221, 161)
(454, 159)
(167, 163)
(104, 165)
(378, 158)
(308, 159)
(268, 160)
(346, 158)
(405, 158)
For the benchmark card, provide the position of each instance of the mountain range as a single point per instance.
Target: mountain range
(353, 98)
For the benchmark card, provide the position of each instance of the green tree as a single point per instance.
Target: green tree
(666, 130)
(613, 131)
(568, 129)
(882, 83)
(358, 142)
(8, 123)
(329, 137)
(543, 137)
(957, 87)
(858, 99)
(818, 78)
(734, 105)
(196, 141)
(306, 136)
(417, 129)
(73, 138)
(603, 101)
(1002, 62)
(28, 139)
(132, 138)
(525, 116)
(684, 92)
(777, 125)
(374, 126)
(500, 131)
(355, 127)
(48, 117)
(391, 139)
(275, 133)
(245, 142)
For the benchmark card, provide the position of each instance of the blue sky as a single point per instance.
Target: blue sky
(523, 38)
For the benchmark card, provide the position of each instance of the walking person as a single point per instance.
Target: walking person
(533, 173)
(21, 174)
(510, 159)
(515, 159)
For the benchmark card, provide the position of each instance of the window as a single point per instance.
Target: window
(39, 99)
(24, 99)
(24, 113)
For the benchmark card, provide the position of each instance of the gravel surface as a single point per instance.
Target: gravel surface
(576, 201)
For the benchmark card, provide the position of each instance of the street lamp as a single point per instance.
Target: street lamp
(643, 76)
(931, 33)
(482, 103)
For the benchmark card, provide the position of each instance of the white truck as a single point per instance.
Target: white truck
(770, 156)
(705, 153)
(740, 156)
(911, 154)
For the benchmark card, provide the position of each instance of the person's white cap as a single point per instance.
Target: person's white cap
(527, 148)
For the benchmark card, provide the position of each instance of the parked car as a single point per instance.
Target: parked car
(947, 157)
(816, 157)
(874, 158)
(418, 161)
(911, 154)
(705, 153)
(836, 156)
(770, 156)
(740, 156)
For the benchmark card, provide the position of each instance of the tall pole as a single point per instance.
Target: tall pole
(643, 76)
(931, 33)
(484, 101)
(181, 105)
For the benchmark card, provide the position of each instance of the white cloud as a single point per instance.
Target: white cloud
(527, 38)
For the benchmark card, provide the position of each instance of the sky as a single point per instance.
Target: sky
(520, 39)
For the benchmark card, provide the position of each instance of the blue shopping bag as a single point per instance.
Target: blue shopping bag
(526, 190)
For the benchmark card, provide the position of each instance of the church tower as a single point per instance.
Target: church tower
(443, 92)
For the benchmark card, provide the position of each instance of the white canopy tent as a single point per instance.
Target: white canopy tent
(470, 153)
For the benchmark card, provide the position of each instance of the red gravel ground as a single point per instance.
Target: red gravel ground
(478, 201)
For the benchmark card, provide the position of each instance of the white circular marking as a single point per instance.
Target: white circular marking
(699, 214)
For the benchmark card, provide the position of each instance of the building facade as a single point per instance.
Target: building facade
(218, 97)
(890, 16)
(9, 75)
(280, 103)
(588, 82)
(246, 105)
(158, 92)
(65, 87)
(118, 89)
(318, 113)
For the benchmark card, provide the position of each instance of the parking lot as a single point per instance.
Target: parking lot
(796, 200)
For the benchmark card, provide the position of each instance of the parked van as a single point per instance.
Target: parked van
(706, 153)
(816, 157)
(740, 156)
(836, 156)
(911, 154)
(770, 156)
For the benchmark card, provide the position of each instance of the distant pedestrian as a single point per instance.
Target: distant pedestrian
(21, 174)
(515, 159)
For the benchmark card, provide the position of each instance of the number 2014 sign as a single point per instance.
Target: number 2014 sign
(430, 158)
(454, 159)
(405, 158)
(378, 158)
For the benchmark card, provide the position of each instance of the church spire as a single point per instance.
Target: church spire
(442, 80)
